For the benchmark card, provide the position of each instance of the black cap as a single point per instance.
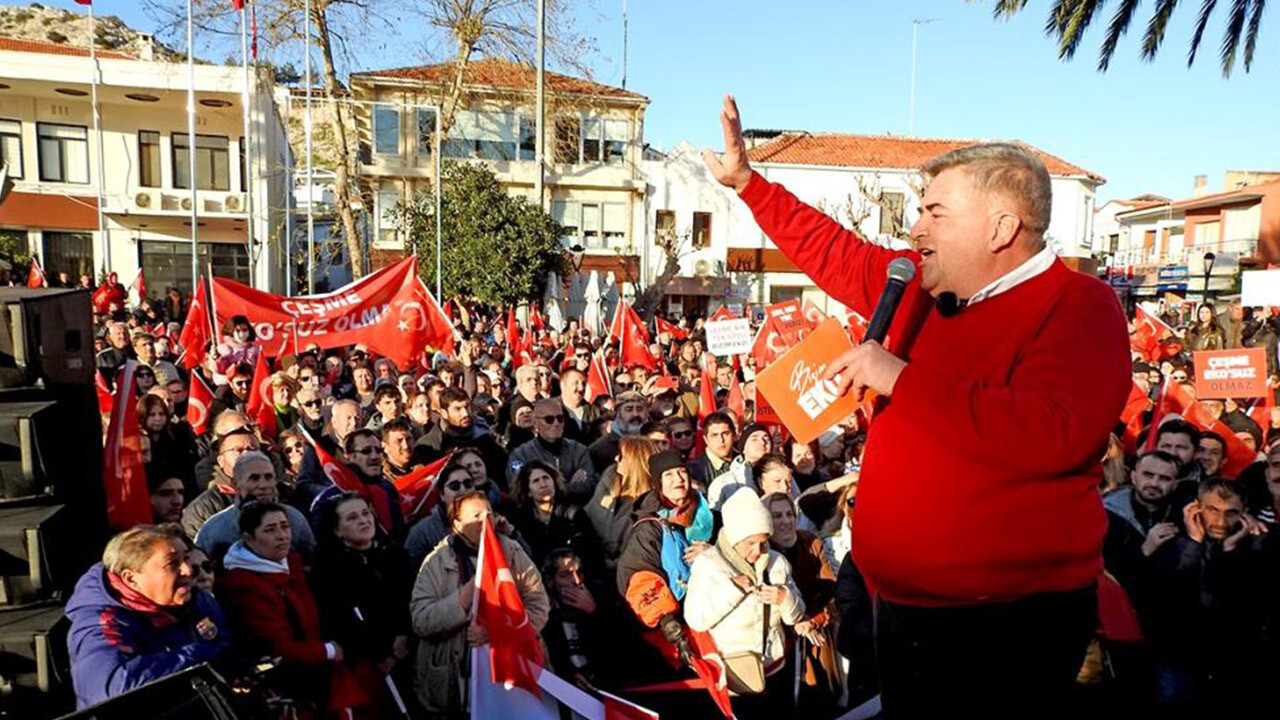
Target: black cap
(663, 461)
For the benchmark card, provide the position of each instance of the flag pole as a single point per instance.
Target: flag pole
(191, 146)
(311, 221)
(103, 235)
(247, 143)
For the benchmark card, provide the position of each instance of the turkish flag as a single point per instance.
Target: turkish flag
(769, 344)
(123, 475)
(736, 403)
(419, 492)
(624, 318)
(346, 480)
(35, 276)
(196, 330)
(515, 653)
(261, 406)
(812, 315)
(199, 398)
(1174, 399)
(536, 321)
(1134, 408)
(105, 401)
(160, 329)
(724, 313)
(635, 346)
(675, 331)
(1148, 332)
(419, 324)
(597, 377)
(513, 329)
(140, 283)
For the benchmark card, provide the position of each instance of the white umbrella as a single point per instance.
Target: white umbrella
(553, 303)
(610, 297)
(592, 312)
(577, 295)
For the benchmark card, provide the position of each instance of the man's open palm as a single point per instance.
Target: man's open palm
(732, 168)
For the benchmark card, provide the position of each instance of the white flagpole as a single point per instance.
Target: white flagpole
(191, 146)
(311, 221)
(103, 235)
(247, 142)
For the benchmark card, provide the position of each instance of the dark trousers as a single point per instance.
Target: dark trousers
(1015, 659)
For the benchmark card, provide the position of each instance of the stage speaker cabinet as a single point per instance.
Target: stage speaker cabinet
(32, 638)
(198, 693)
(46, 337)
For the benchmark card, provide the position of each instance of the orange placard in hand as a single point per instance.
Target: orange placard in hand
(794, 387)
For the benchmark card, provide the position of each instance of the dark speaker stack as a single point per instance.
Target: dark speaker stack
(52, 504)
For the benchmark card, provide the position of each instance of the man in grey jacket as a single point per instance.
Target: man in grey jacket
(255, 479)
(550, 445)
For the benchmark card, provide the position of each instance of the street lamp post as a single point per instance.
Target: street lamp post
(1208, 270)
(577, 254)
(915, 34)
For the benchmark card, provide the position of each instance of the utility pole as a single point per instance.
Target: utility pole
(624, 44)
(540, 146)
(915, 34)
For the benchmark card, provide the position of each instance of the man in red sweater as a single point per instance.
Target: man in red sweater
(979, 525)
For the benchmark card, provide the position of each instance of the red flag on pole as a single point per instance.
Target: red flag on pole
(1174, 399)
(341, 476)
(419, 323)
(724, 313)
(199, 398)
(237, 4)
(1148, 332)
(260, 406)
(1134, 408)
(635, 346)
(419, 492)
(515, 653)
(105, 401)
(706, 395)
(675, 331)
(140, 283)
(812, 315)
(626, 316)
(597, 377)
(35, 276)
(84, 2)
(196, 331)
(736, 403)
(123, 474)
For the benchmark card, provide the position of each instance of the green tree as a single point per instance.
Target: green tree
(497, 248)
(1068, 20)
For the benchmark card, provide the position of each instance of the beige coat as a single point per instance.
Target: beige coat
(440, 621)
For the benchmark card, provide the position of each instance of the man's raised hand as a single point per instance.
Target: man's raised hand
(731, 169)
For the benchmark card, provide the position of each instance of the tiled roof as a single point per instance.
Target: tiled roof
(881, 151)
(503, 74)
(48, 48)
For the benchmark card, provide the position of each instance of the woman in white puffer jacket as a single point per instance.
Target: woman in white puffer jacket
(742, 593)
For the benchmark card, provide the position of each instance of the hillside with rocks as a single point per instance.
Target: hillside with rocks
(64, 27)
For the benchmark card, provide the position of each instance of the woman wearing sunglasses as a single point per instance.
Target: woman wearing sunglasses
(543, 517)
(454, 480)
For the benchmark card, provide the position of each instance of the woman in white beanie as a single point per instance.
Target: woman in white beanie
(742, 593)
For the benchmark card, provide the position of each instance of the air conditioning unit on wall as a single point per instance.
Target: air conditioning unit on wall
(186, 203)
(701, 268)
(234, 203)
(144, 201)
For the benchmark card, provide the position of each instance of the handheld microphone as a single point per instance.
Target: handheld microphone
(901, 272)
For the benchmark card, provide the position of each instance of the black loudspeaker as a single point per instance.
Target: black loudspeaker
(46, 338)
(31, 681)
(199, 693)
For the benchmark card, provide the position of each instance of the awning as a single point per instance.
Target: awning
(49, 212)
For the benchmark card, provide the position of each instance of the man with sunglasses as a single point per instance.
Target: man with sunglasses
(363, 449)
(550, 445)
(235, 394)
(310, 411)
(255, 479)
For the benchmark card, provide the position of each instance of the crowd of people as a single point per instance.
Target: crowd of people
(634, 524)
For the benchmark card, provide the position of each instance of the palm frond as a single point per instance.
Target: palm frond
(1073, 31)
(1059, 14)
(1156, 28)
(1232, 34)
(1115, 30)
(1006, 9)
(1251, 40)
(1206, 9)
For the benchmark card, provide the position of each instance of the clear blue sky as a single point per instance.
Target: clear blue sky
(838, 65)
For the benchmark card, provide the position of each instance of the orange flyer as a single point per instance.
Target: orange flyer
(794, 388)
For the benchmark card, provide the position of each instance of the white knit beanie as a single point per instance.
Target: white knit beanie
(744, 515)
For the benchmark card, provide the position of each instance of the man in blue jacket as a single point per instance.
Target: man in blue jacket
(137, 617)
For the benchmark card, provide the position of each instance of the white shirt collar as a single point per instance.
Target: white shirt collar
(1035, 265)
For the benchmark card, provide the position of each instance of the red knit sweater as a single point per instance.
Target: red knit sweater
(979, 482)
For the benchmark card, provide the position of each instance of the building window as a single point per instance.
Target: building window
(892, 207)
(591, 238)
(568, 214)
(615, 141)
(168, 264)
(614, 224)
(64, 153)
(11, 147)
(664, 227)
(701, 230)
(568, 140)
(426, 129)
(482, 136)
(592, 139)
(68, 252)
(1207, 234)
(148, 158)
(213, 162)
(528, 138)
(388, 218)
(386, 130)
(241, 168)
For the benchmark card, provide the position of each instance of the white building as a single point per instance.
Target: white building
(52, 151)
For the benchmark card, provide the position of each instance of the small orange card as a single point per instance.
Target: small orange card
(794, 387)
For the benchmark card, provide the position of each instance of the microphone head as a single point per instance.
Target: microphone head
(902, 269)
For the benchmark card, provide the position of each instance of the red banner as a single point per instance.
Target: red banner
(389, 311)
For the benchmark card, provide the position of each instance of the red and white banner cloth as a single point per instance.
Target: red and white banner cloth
(391, 312)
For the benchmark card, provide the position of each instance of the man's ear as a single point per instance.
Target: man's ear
(1005, 229)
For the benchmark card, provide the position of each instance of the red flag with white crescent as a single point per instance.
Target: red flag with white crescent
(1148, 332)
(419, 491)
(35, 276)
(123, 474)
(597, 377)
(199, 398)
(706, 395)
(196, 331)
(515, 653)
(260, 406)
(105, 401)
(419, 323)
(675, 331)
